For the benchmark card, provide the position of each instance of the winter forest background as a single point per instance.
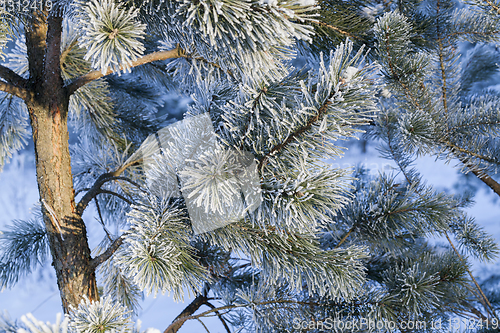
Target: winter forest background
(422, 105)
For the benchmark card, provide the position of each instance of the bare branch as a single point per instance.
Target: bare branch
(338, 30)
(483, 176)
(101, 191)
(22, 93)
(94, 75)
(92, 192)
(12, 77)
(96, 188)
(106, 254)
(179, 321)
(128, 180)
(202, 323)
(222, 320)
(101, 220)
(186, 314)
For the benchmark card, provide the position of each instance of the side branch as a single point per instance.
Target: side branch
(22, 93)
(454, 147)
(186, 314)
(92, 192)
(94, 75)
(107, 254)
(101, 191)
(492, 5)
(12, 77)
(181, 320)
(340, 31)
(293, 136)
(483, 176)
(222, 320)
(96, 188)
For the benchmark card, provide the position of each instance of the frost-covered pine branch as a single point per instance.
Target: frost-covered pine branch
(227, 195)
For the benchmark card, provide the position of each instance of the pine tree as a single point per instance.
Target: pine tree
(243, 174)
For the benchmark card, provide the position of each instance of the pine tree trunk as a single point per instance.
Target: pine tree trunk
(48, 110)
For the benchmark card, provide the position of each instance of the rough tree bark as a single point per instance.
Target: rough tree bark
(48, 110)
(47, 100)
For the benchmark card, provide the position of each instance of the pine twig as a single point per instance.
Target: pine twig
(202, 323)
(94, 75)
(101, 220)
(101, 191)
(345, 236)
(222, 320)
(294, 135)
(340, 31)
(108, 253)
(492, 310)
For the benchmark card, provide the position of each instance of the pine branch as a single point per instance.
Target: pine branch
(489, 307)
(395, 76)
(485, 178)
(443, 141)
(107, 254)
(299, 131)
(462, 33)
(453, 147)
(483, 299)
(223, 321)
(12, 77)
(444, 92)
(492, 5)
(101, 191)
(22, 93)
(186, 314)
(476, 124)
(336, 29)
(179, 321)
(96, 188)
(94, 75)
